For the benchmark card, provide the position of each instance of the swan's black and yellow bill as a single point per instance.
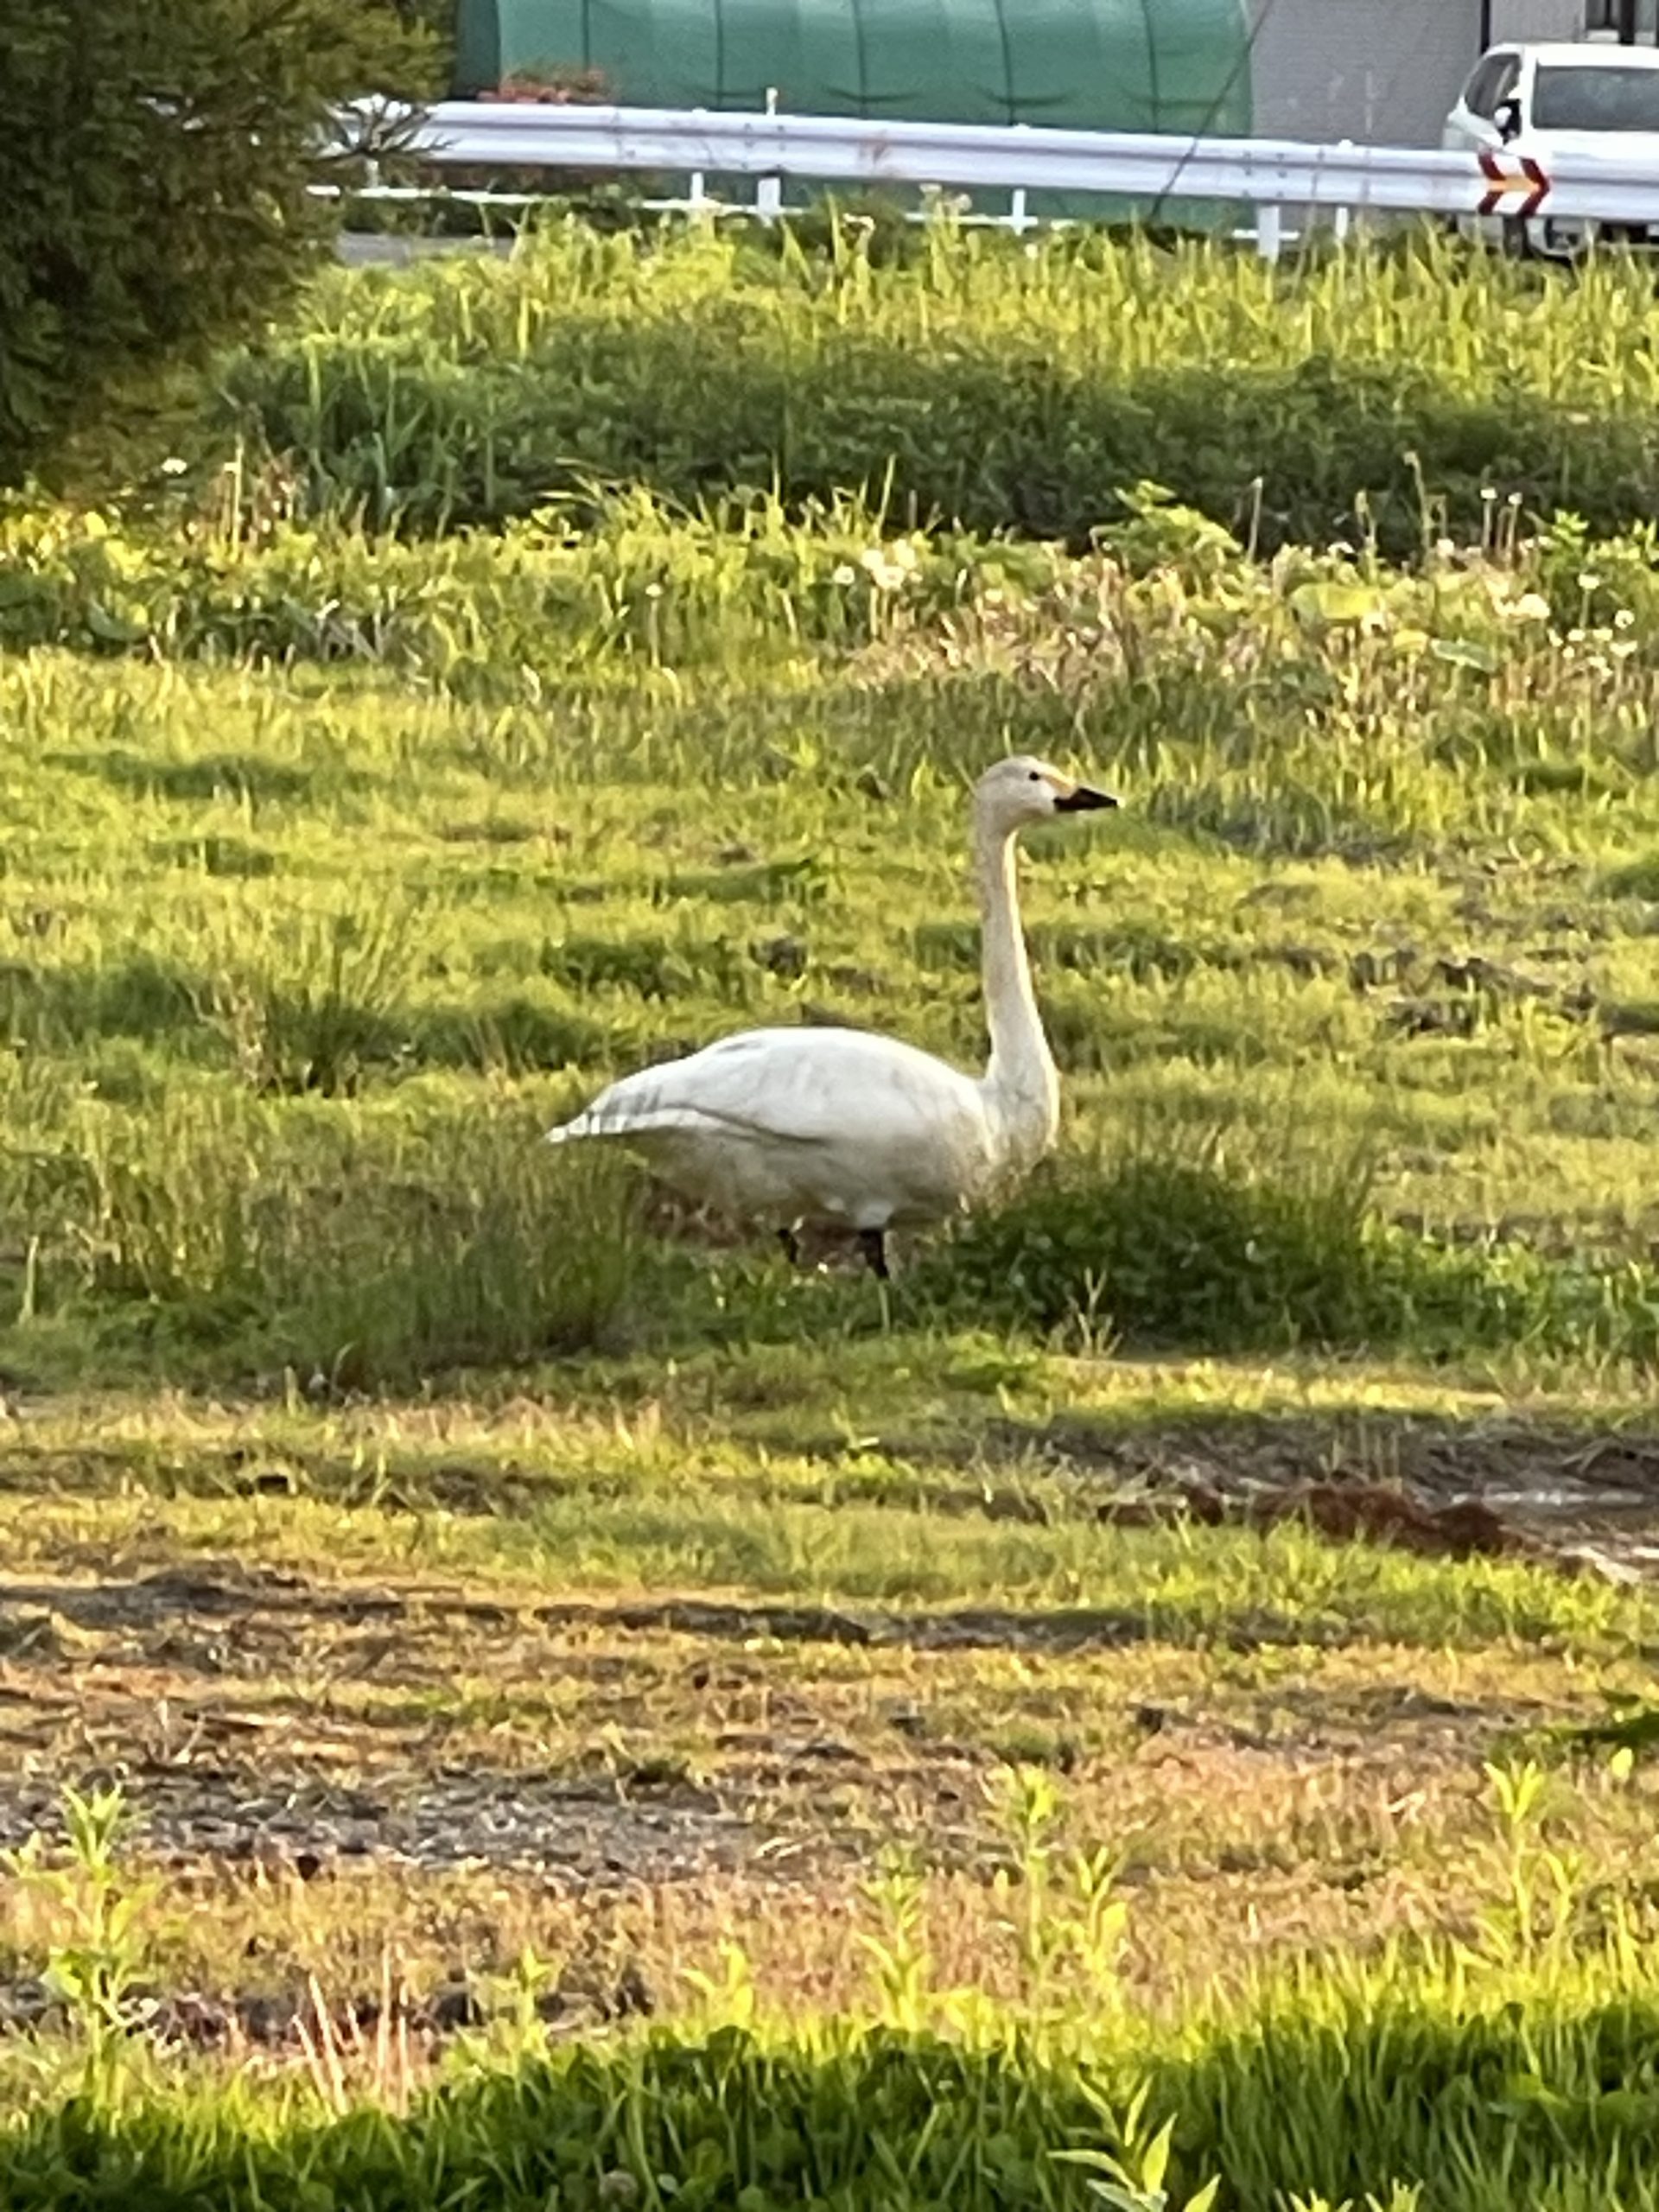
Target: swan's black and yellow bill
(1082, 800)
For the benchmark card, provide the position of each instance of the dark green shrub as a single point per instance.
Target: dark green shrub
(1176, 1252)
(1199, 1255)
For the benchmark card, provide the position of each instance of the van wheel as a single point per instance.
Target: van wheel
(1515, 240)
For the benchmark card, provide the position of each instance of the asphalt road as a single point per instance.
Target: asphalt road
(375, 249)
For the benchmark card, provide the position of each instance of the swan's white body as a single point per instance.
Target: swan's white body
(838, 1126)
(791, 1125)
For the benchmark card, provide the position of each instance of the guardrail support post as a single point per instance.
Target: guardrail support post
(1269, 231)
(700, 202)
(1344, 220)
(769, 190)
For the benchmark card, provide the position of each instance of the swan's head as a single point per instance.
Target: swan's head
(1025, 790)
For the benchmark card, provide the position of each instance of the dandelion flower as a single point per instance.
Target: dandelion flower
(881, 572)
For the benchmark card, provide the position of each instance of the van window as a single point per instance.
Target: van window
(1596, 99)
(1481, 94)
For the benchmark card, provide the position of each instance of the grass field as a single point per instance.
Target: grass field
(601, 1718)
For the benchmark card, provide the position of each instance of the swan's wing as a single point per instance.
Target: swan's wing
(789, 1086)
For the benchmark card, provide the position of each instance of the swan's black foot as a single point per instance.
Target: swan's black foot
(791, 1246)
(873, 1243)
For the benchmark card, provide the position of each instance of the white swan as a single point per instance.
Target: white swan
(790, 1125)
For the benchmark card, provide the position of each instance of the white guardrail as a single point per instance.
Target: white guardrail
(1272, 174)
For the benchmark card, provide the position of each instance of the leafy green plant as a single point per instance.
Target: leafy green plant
(1533, 1920)
(94, 1908)
(1132, 2178)
(900, 1960)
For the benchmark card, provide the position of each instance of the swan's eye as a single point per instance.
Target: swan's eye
(1033, 778)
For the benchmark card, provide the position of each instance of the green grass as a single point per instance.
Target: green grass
(357, 1445)
(758, 1539)
(1306, 2112)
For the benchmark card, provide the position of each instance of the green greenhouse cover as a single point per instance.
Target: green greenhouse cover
(1175, 65)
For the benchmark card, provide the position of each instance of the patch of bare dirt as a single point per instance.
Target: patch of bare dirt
(1581, 1503)
(293, 2021)
(577, 1834)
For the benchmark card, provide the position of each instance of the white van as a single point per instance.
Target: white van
(1581, 100)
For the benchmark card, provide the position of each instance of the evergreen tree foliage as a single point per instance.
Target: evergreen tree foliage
(155, 156)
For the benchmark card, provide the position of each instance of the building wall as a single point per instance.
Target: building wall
(1380, 72)
(1537, 19)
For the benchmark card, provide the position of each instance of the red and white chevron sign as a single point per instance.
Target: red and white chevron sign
(1512, 177)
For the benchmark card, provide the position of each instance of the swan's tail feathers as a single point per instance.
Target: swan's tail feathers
(631, 1122)
(586, 1124)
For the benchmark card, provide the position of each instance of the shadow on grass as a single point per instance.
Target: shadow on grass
(244, 779)
(283, 1037)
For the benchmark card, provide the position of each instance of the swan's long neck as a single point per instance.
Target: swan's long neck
(1020, 1083)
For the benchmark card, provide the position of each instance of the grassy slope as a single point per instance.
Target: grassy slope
(997, 384)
